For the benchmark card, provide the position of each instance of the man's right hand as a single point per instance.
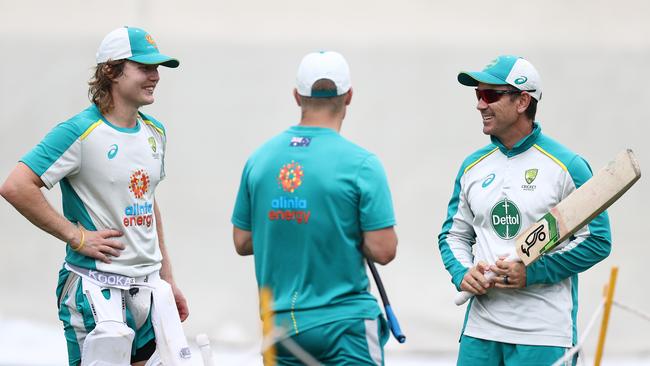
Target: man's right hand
(23, 190)
(97, 244)
(474, 280)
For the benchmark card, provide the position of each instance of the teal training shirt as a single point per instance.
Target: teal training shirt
(308, 195)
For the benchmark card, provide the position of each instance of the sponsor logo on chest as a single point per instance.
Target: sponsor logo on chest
(505, 219)
(140, 212)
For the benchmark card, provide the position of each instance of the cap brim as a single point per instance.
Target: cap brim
(156, 59)
(473, 78)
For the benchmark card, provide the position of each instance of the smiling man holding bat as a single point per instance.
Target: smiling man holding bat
(522, 314)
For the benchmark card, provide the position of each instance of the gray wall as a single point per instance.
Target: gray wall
(233, 91)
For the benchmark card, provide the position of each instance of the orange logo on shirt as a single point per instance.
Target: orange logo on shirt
(290, 177)
(139, 183)
(290, 207)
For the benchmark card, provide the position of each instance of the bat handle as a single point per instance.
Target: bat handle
(463, 296)
(393, 324)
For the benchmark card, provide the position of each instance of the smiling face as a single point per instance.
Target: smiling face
(505, 118)
(136, 85)
(500, 116)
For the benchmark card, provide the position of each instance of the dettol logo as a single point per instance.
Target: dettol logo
(506, 220)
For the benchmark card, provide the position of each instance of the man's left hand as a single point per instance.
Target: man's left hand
(509, 274)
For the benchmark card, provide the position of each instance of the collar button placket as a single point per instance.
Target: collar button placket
(506, 175)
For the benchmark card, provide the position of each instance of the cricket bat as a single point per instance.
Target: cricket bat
(393, 324)
(573, 212)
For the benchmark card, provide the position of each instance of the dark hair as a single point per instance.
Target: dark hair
(333, 104)
(101, 84)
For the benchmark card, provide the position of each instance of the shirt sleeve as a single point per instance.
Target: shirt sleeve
(241, 216)
(57, 156)
(587, 247)
(163, 140)
(159, 127)
(457, 235)
(375, 202)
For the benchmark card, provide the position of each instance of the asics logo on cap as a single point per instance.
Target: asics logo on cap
(520, 80)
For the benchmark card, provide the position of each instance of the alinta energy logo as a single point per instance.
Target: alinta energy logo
(290, 176)
(289, 207)
(139, 213)
(506, 220)
(139, 183)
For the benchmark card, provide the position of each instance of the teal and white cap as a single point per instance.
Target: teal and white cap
(328, 65)
(506, 70)
(133, 44)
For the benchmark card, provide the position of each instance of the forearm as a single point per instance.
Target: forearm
(456, 251)
(166, 266)
(457, 235)
(555, 267)
(22, 189)
(591, 244)
(454, 266)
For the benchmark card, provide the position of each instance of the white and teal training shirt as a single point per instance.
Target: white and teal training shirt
(308, 195)
(108, 176)
(498, 193)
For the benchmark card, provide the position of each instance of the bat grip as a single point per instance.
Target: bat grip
(393, 324)
(463, 296)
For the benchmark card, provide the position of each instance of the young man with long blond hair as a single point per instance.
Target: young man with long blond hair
(108, 160)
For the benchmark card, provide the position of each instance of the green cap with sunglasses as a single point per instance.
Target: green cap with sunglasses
(506, 70)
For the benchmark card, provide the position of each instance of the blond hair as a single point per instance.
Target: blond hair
(101, 84)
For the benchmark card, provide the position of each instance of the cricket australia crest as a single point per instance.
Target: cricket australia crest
(530, 176)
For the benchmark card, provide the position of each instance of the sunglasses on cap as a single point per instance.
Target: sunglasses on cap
(493, 95)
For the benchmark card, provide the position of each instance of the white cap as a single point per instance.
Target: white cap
(506, 70)
(133, 44)
(323, 65)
